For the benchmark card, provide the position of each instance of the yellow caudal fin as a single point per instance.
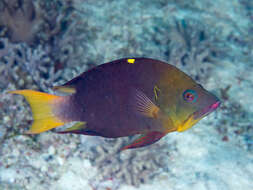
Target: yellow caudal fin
(42, 105)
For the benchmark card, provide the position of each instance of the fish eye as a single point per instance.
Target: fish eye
(190, 95)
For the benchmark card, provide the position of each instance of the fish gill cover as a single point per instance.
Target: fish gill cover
(46, 43)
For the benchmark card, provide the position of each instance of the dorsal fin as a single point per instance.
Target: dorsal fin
(65, 88)
(73, 82)
(70, 86)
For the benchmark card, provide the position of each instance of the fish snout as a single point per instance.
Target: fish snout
(206, 110)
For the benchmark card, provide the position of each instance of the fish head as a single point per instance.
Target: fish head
(186, 102)
(194, 103)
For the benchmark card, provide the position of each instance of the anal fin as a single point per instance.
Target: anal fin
(145, 140)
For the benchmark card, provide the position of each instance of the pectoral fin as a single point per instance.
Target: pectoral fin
(143, 105)
(145, 140)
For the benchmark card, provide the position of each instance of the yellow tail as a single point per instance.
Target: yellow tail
(42, 105)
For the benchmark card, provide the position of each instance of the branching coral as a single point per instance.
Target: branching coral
(192, 49)
(33, 68)
(34, 21)
(59, 31)
(21, 19)
(240, 127)
(38, 66)
(132, 167)
(19, 64)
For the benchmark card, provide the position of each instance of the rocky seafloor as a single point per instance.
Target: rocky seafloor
(47, 42)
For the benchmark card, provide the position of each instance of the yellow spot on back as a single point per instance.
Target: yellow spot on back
(131, 61)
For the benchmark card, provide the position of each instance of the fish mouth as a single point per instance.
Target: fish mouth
(196, 116)
(204, 112)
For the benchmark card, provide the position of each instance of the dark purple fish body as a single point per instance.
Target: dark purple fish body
(103, 97)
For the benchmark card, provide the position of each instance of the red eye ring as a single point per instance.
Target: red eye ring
(190, 95)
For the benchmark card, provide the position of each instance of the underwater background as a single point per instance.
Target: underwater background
(44, 43)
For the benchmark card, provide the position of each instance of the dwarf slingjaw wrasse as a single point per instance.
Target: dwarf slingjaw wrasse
(122, 98)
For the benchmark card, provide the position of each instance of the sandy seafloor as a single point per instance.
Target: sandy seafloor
(45, 43)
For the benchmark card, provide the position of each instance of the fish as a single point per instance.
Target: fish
(125, 97)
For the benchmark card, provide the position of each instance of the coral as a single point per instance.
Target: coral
(193, 48)
(19, 63)
(132, 167)
(27, 161)
(41, 66)
(21, 19)
(4, 185)
(34, 22)
(240, 127)
(14, 121)
(34, 68)
(5, 47)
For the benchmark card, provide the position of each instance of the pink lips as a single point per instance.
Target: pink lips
(206, 111)
(215, 106)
